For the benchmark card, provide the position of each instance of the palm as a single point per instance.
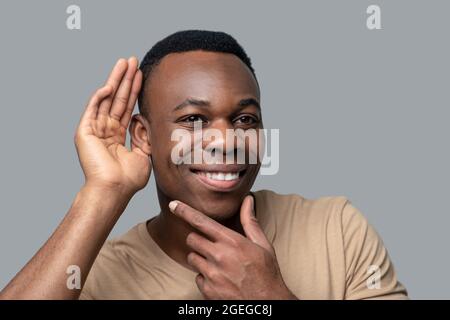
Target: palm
(102, 132)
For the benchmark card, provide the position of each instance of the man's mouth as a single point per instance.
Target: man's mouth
(220, 176)
(223, 178)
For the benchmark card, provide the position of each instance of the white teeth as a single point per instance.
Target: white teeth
(222, 176)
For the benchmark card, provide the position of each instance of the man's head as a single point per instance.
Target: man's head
(203, 78)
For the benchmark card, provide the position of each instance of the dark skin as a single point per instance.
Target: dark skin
(224, 81)
(220, 239)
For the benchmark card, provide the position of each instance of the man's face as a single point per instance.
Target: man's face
(212, 91)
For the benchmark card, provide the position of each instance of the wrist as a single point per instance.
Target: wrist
(106, 200)
(118, 191)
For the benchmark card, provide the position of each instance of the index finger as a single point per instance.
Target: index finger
(202, 222)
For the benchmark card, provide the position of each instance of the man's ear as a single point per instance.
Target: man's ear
(140, 134)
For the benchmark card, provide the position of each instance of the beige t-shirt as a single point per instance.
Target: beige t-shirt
(326, 249)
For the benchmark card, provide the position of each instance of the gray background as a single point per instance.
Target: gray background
(362, 113)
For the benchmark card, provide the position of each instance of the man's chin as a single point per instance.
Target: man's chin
(220, 210)
(221, 217)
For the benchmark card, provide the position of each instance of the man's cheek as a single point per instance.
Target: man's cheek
(179, 145)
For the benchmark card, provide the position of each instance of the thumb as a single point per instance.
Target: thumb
(251, 226)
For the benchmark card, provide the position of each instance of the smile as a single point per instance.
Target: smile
(218, 180)
(220, 176)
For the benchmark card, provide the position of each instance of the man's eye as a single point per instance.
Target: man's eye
(246, 120)
(194, 118)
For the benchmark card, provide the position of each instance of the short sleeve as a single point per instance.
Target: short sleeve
(370, 273)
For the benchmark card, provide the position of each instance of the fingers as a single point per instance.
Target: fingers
(199, 263)
(201, 222)
(135, 88)
(200, 281)
(90, 112)
(209, 279)
(251, 226)
(201, 245)
(114, 81)
(122, 94)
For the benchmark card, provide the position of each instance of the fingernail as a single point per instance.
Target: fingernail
(173, 205)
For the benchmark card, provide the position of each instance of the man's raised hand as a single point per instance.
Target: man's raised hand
(100, 137)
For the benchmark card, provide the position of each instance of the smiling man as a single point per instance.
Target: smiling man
(213, 237)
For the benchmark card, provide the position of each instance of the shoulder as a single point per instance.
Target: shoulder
(331, 222)
(333, 234)
(295, 208)
(121, 248)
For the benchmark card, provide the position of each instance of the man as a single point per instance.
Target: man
(213, 238)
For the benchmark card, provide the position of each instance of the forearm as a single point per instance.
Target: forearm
(76, 241)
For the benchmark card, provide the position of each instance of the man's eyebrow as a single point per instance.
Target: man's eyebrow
(249, 102)
(192, 102)
(205, 103)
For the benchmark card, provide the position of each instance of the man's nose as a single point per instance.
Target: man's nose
(220, 139)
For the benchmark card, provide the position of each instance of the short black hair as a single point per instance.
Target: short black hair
(189, 40)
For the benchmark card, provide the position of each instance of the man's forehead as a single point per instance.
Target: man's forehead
(175, 64)
(199, 56)
(200, 73)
